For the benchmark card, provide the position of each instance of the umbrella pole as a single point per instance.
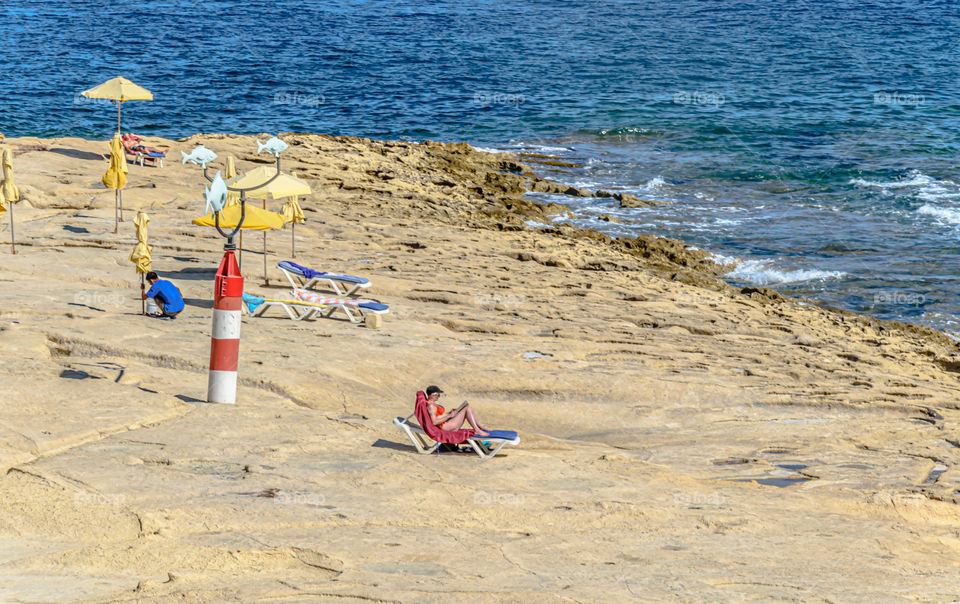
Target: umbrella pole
(118, 117)
(240, 255)
(266, 281)
(116, 205)
(143, 303)
(13, 245)
(293, 243)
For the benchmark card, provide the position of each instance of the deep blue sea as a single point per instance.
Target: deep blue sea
(816, 142)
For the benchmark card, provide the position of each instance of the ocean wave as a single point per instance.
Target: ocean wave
(625, 130)
(914, 178)
(950, 215)
(492, 150)
(937, 194)
(926, 188)
(527, 146)
(654, 183)
(762, 272)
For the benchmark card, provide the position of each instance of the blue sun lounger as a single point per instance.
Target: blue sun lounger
(301, 277)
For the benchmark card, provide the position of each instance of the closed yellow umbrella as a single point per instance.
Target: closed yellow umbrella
(121, 90)
(116, 178)
(9, 193)
(141, 255)
(230, 171)
(254, 219)
(293, 214)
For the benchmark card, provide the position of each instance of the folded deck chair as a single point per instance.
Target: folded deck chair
(301, 277)
(256, 306)
(355, 310)
(484, 446)
(132, 145)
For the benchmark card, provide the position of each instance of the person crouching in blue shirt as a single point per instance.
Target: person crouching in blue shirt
(165, 294)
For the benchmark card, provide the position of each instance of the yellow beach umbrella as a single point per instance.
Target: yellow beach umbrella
(116, 178)
(293, 214)
(121, 90)
(9, 193)
(141, 255)
(230, 171)
(254, 219)
(285, 185)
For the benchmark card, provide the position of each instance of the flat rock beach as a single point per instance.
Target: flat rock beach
(681, 439)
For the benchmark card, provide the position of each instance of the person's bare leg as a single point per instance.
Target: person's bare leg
(464, 413)
(472, 418)
(456, 420)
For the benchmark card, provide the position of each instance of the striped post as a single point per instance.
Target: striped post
(225, 339)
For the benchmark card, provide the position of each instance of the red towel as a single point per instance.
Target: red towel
(454, 437)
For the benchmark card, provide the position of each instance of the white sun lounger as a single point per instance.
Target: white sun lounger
(295, 309)
(355, 310)
(301, 277)
(484, 446)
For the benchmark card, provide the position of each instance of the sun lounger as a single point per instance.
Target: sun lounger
(301, 277)
(484, 446)
(355, 310)
(132, 145)
(256, 306)
(301, 309)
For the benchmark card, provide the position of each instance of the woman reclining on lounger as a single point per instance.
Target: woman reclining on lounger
(451, 420)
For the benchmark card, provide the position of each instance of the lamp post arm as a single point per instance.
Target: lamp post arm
(243, 212)
(261, 185)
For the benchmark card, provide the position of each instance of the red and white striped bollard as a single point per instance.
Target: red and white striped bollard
(225, 339)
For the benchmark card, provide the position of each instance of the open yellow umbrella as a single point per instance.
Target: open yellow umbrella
(119, 89)
(116, 178)
(254, 219)
(293, 214)
(141, 255)
(9, 193)
(285, 185)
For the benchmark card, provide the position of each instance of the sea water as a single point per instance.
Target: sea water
(812, 145)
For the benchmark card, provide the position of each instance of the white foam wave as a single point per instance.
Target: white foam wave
(937, 194)
(723, 260)
(627, 130)
(762, 272)
(915, 179)
(541, 148)
(655, 183)
(491, 150)
(950, 215)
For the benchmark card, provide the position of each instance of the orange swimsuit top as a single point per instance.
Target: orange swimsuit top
(441, 411)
